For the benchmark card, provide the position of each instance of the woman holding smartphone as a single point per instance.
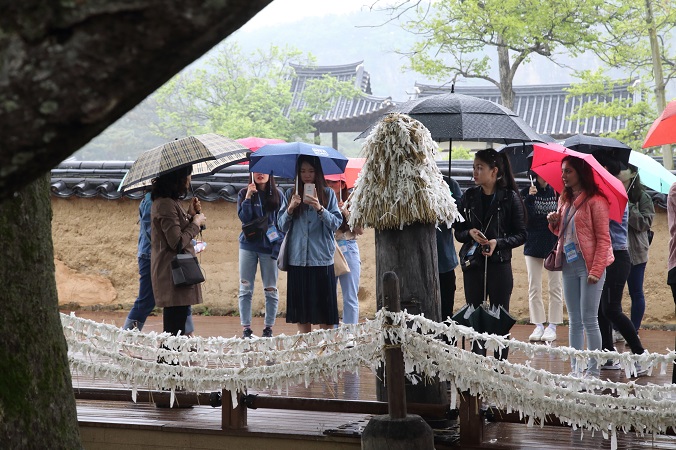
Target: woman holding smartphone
(311, 222)
(584, 251)
(495, 223)
(346, 238)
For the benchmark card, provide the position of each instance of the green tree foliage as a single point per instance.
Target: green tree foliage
(635, 39)
(456, 35)
(599, 87)
(239, 95)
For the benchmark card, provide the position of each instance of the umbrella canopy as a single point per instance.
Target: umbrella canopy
(663, 129)
(519, 154)
(183, 152)
(547, 160)
(491, 319)
(593, 144)
(653, 174)
(254, 143)
(352, 170)
(281, 159)
(457, 117)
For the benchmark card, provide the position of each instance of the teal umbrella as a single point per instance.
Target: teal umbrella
(653, 174)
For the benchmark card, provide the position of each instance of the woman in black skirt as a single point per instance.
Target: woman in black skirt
(310, 221)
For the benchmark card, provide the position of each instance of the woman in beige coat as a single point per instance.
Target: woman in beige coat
(172, 230)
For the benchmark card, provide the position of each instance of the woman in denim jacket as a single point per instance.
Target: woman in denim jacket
(261, 197)
(347, 242)
(311, 222)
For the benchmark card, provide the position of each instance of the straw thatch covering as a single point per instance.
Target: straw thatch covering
(400, 183)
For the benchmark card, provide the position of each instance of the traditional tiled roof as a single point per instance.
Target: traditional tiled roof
(90, 179)
(545, 108)
(349, 114)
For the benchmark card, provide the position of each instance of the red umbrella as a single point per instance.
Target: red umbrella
(663, 129)
(547, 160)
(352, 170)
(254, 143)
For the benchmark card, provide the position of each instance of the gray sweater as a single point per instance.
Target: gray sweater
(641, 217)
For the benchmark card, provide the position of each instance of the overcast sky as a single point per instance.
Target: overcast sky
(283, 11)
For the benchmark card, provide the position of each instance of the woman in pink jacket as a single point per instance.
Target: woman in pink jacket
(584, 250)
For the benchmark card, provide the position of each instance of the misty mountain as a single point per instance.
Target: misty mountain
(333, 40)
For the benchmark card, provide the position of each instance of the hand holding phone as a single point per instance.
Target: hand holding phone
(308, 190)
(481, 236)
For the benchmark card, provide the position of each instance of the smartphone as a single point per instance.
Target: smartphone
(481, 235)
(308, 190)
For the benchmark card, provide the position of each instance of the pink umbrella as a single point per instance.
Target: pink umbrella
(254, 143)
(352, 170)
(547, 160)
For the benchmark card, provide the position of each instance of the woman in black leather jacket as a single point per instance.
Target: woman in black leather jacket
(495, 223)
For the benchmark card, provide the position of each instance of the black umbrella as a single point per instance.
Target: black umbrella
(485, 318)
(604, 145)
(520, 156)
(457, 117)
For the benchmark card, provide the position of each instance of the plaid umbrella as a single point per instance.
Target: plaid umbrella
(207, 153)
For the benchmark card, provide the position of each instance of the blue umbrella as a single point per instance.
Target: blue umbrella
(281, 159)
(653, 174)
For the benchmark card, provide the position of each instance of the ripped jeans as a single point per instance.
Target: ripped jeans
(248, 263)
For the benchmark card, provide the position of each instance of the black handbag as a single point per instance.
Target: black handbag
(256, 229)
(470, 261)
(186, 270)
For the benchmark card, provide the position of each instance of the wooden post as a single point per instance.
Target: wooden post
(396, 430)
(232, 418)
(412, 254)
(471, 421)
(394, 358)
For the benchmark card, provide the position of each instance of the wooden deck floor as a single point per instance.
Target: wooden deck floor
(109, 425)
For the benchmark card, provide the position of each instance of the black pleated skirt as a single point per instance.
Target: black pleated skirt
(311, 295)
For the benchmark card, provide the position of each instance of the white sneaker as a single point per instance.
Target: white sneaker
(611, 365)
(642, 371)
(617, 337)
(537, 334)
(549, 335)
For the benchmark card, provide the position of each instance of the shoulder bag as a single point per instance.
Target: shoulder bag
(550, 261)
(283, 256)
(340, 266)
(185, 269)
(256, 229)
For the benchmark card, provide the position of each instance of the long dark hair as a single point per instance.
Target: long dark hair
(320, 183)
(171, 184)
(586, 176)
(636, 189)
(505, 177)
(270, 197)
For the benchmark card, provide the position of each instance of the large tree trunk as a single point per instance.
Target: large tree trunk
(411, 253)
(660, 91)
(506, 77)
(37, 407)
(70, 69)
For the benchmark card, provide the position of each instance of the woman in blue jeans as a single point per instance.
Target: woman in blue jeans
(260, 198)
(584, 251)
(641, 215)
(347, 242)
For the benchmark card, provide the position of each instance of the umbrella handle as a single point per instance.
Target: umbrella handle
(485, 276)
